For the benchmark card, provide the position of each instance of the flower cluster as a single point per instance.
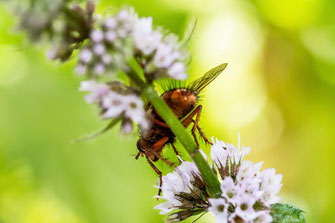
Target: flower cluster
(116, 101)
(110, 44)
(36, 18)
(158, 54)
(105, 45)
(185, 190)
(68, 29)
(247, 192)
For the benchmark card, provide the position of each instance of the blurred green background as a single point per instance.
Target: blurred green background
(278, 92)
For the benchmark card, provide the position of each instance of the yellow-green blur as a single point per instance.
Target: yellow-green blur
(278, 92)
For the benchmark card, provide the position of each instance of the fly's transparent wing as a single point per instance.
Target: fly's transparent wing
(199, 84)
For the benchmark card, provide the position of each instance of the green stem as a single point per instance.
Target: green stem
(179, 131)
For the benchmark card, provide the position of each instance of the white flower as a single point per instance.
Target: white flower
(165, 55)
(235, 154)
(99, 49)
(135, 111)
(171, 39)
(219, 207)
(97, 36)
(110, 36)
(175, 183)
(114, 105)
(220, 152)
(165, 207)
(270, 185)
(126, 19)
(110, 23)
(106, 58)
(86, 55)
(99, 69)
(52, 54)
(244, 208)
(249, 171)
(146, 40)
(98, 91)
(125, 15)
(177, 71)
(263, 217)
(127, 126)
(229, 189)
(80, 69)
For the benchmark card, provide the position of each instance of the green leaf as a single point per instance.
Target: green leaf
(93, 136)
(286, 213)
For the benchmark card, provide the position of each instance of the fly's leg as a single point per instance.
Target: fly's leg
(159, 174)
(203, 134)
(138, 155)
(177, 153)
(199, 108)
(160, 123)
(147, 106)
(188, 120)
(157, 147)
(159, 156)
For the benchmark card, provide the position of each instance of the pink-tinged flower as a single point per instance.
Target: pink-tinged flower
(125, 19)
(127, 126)
(97, 36)
(110, 23)
(99, 69)
(99, 49)
(80, 69)
(177, 71)
(165, 55)
(110, 36)
(135, 111)
(86, 55)
(146, 40)
(114, 105)
(97, 91)
(52, 54)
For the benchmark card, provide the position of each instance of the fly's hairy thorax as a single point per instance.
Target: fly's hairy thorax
(181, 101)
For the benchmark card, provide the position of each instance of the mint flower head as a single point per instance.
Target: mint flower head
(104, 47)
(184, 190)
(124, 35)
(247, 191)
(110, 45)
(116, 101)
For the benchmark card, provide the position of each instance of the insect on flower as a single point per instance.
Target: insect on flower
(183, 101)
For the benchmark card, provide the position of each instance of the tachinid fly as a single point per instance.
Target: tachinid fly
(184, 104)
